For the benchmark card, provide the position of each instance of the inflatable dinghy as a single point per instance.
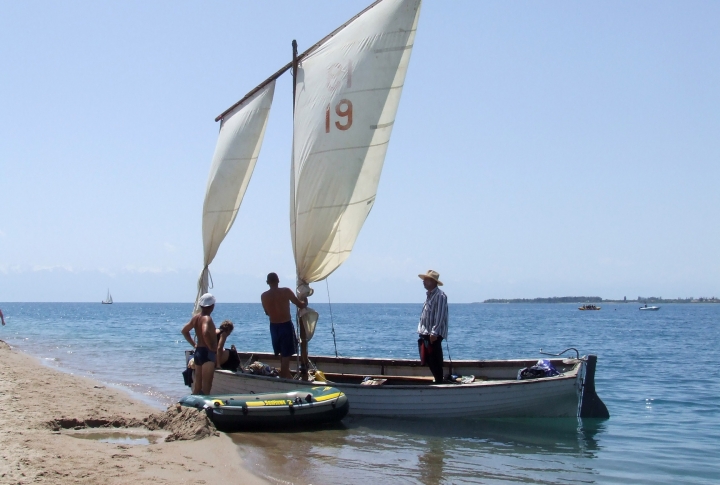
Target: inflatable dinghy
(301, 407)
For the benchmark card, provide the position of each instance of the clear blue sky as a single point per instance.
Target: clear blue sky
(541, 149)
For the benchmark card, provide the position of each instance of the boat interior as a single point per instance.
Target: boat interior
(355, 370)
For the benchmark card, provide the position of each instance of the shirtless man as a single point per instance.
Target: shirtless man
(276, 303)
(2, 317)
(206, 347)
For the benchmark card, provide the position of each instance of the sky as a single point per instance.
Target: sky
(540, 149)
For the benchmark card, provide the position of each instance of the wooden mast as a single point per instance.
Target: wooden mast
(303, 334)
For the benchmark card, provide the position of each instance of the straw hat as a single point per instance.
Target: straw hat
(433, 275)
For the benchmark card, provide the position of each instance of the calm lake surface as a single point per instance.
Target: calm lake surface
(657, 373)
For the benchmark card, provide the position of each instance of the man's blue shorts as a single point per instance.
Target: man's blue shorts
(283, 337)
(203, 355)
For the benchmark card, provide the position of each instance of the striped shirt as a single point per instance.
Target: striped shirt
(434, 316)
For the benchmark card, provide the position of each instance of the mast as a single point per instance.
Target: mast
(303, 335)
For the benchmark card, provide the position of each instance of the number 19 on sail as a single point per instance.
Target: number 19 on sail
(344, 110)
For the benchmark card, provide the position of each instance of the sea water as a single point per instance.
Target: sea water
(657, 373)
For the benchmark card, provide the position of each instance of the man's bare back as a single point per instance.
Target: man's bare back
(276, 303)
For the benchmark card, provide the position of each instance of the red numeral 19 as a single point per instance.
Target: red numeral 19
(344, 109)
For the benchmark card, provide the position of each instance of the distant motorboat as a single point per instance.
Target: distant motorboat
(651, 308)
(108, 299)
(589, 307)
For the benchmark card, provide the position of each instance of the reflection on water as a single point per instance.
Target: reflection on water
(429, 452)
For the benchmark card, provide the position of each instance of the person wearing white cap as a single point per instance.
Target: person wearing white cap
(206, 346)
(433, 325)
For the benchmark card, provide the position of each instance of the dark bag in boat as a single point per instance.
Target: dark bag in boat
(543, 368)
(188, 372)
(188, 376)
(233, 362)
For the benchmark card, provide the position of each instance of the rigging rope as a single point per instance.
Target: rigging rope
(332, 323)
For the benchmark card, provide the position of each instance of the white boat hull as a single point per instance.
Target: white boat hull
(557, 396)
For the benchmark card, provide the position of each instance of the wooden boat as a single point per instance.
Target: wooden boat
(298, 407)
(589, 307)
(409, 391)
(346, 93)
(650, 308)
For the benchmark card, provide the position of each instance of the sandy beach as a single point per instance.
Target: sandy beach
(43, 411)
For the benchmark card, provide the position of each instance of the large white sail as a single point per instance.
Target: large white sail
(348, 91)
(238, 146)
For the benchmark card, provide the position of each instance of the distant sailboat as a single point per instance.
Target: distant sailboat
(108, 299)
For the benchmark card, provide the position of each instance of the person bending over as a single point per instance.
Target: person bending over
(276, 303)
(205, 349)
(222, 334)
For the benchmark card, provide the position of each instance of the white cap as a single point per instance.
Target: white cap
(207, 300)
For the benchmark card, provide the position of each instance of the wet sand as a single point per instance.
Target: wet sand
(41, 408)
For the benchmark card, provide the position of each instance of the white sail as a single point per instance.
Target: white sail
(238, 146)
(348, 91)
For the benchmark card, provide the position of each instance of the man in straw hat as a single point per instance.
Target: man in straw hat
(206, 346)
(433, 325)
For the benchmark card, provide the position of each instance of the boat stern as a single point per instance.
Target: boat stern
(591, 406)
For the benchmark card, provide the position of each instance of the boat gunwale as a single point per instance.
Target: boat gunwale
(570, 375)
(400, 362)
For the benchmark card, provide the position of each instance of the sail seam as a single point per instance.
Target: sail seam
(349, 148)
(384, 125)
(240, 158)
(373, 89)
(220, 211)
(365, 200)
(393, 49)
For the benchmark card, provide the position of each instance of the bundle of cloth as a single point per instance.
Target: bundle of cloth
(260, 369)
(543, 368)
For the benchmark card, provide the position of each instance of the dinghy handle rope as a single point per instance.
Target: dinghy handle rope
(577, 353)
(447, 345)
(332, 323)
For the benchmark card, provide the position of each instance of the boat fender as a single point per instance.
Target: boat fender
(334, 403)
(244, 409)
(292, 409)
(308, 398)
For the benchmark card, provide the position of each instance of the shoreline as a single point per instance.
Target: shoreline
(42, 408)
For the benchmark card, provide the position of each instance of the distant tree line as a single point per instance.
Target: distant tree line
(597, 299)
(554, 299)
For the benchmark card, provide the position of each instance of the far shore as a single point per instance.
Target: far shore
(594, 300)
(43, 410)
